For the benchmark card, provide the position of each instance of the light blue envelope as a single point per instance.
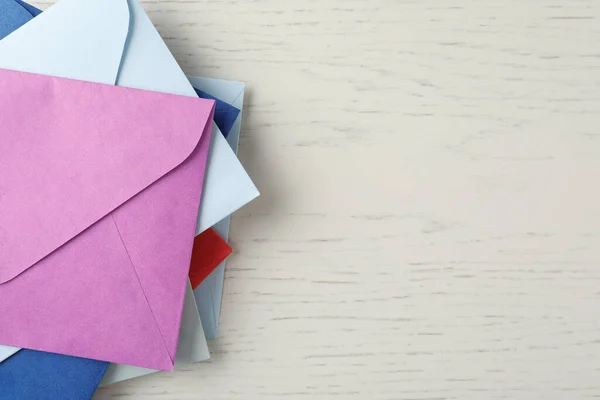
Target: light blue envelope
(210, 292)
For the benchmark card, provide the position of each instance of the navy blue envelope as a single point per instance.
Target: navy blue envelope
(35, 375)
(225, 114)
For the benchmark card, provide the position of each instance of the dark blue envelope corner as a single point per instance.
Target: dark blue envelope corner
(34, 375)
(225, 114)
(31, 9)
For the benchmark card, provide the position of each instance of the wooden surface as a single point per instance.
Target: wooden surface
(429, 226)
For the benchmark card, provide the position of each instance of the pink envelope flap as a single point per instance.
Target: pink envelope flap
(74, 151)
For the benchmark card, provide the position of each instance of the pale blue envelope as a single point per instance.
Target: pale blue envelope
(210, 292)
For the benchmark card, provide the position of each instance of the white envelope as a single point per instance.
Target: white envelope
(210, 292)
(113, 41)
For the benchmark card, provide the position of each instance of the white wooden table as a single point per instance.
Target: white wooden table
(429, 226)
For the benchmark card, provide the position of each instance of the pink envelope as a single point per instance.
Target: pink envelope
(99, 194)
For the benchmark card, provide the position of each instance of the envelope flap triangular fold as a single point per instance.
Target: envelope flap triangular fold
(90, 148)
(85, 322)
(45, 36)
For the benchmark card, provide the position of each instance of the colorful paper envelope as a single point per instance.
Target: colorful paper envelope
(210, 292)
(192, 346)
(153, 240)
(97, 199)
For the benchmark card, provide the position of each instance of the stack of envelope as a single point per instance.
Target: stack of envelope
(119, 175)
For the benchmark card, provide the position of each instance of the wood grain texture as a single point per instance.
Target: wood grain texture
(429, 226)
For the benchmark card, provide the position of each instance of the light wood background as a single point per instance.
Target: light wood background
(429, 226)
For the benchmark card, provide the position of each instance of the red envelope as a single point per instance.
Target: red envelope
(208, 252)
